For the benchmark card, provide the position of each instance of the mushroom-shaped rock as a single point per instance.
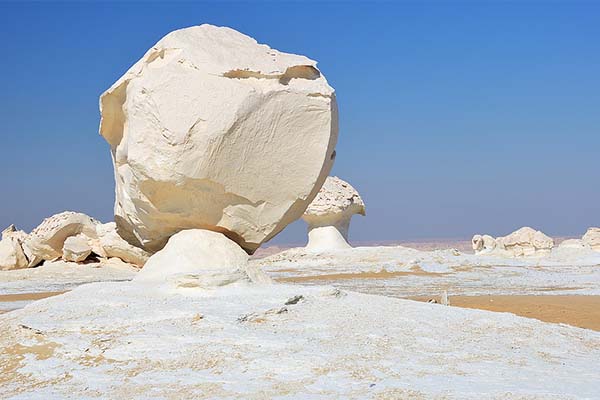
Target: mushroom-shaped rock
(328, 216)
(76, 248)
(592, 238)
(109, 244)
(12, 255)
(526, 242)
(199, 258)
(483, 244)
(212, 130)
(46, 241)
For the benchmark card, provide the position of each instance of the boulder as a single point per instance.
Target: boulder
(592, 238)
(211, 130)
(110, 245)
(76, 248)
(12, 255)
(573, 244)
(47, 240)
(199, 258)
(328, 216)
(526, 242)
(483, 244)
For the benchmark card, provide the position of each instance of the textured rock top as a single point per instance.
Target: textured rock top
(336, 197)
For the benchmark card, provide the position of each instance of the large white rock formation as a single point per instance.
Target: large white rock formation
(328, 216)
(47, 240)
(211, 130)
(524, 242)
(592, 238)
(199, 258)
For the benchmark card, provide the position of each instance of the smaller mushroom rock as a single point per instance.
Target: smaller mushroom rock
(198, 258)
(526, 242)
(76, 248)
(483, 244)
(328, 216)
(12, 255)
(592, 238)
(109, 244)
(46, 241)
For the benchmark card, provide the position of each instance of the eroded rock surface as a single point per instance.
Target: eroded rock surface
(76, 248)
(47, 240)
(247, 132)
(109, 244)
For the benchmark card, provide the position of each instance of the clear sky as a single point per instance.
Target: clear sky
(455, 118)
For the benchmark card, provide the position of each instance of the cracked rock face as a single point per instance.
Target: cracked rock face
(212, 130)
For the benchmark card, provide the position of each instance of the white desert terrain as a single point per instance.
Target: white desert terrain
(218, 143)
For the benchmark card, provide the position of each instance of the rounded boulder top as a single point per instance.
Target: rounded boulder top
(211, 130)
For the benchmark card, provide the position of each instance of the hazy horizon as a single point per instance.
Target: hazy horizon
(455, 118)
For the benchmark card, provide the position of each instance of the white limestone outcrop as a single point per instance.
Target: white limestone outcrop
(328, 216)
(198, 258)
(483, 244)
(12, 255)
(76, 248)
(524, 242)
(576, 244)
(212, 130)
(47, 240)
(592, 238)
(110, 245)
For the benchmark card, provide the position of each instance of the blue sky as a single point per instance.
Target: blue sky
(455, 118)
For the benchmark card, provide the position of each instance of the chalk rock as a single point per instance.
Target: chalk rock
(592, 238)
(46, 241)
(198, 258)
(12, 232)
(76, 248)
(328, 216)
(12, 255)
(212, 130)
(110, 245)
(526, 242)
(573, 244)
(483, 244)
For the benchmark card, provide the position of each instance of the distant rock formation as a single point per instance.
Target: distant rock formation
(212, 130)
(328, 216)
(483, 244)
(592, 238)
(524, 242)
